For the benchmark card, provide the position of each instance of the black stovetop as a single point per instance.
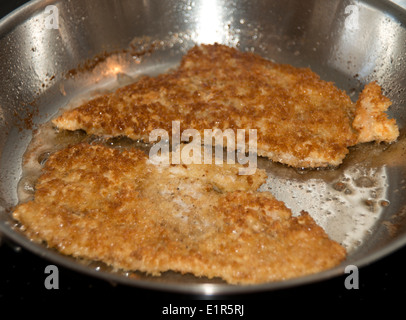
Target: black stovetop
(22, 278)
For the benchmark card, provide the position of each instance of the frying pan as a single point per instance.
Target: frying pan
(55, 52)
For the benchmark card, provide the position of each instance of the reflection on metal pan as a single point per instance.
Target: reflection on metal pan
(56, 52)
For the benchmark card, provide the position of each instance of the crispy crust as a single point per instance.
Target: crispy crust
(115, 206)
(370, 119)
(300, 119)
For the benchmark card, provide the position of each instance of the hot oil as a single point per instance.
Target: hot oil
(346, 201)
(346, 207)
(47, 140)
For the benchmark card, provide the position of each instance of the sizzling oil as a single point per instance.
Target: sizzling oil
(347, 207)
(346, 201)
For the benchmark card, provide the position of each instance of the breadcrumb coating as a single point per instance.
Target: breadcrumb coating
(115, 206)
(301, 120)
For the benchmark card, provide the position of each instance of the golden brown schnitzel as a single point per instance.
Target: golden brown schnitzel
(370, 118)
(300, 119)
(115, 206)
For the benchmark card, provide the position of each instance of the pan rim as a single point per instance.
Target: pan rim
(23, 13)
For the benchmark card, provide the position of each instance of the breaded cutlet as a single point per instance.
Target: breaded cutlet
(370, 119)
(301, 120)
(116, 206)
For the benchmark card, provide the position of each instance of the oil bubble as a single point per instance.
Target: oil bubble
(339, 186)
(43, 157)
(384, 203)
(364, 182)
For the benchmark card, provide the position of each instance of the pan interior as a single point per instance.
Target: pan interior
(360, 204)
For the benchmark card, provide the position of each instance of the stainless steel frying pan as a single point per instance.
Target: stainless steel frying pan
(52, 52)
